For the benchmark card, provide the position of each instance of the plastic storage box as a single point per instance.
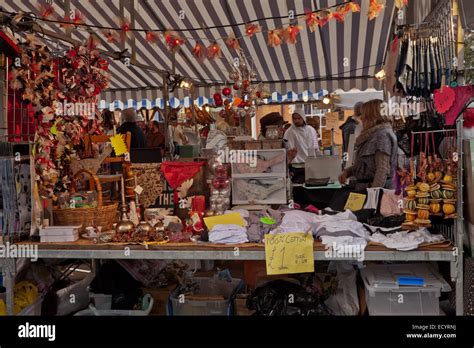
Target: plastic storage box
(147, 305)
(208, 307)
(385, 296)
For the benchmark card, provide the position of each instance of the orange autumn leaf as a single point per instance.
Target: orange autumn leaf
(273, 38)
(374, 9)
(311, 21)
(353, 6)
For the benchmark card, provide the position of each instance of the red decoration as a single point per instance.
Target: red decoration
(217, 96)
(444, 99)
(46, 10)
(226, 91)
(462, 95)
(214, 51)
(151, 37)
(111, 36)
(173, 40)
(290, 34)
(199, 51)
(236, 86)
(232, 42)
(251, 29)
(324, 17)
(311, 20)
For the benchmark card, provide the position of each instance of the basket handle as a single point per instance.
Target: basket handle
(93, 182)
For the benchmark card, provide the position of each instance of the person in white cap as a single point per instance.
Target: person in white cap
(301, 139)
(129, 124)
(301, 142)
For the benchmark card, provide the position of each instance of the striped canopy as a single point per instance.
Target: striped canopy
(337, 56)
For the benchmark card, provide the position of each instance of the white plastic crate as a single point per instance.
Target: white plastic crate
(147, 305)
(385, 297)
(101, 301)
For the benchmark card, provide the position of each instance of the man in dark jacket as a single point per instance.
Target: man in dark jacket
(349, 126)
(129, 119)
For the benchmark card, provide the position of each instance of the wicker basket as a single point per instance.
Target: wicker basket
(104, 215)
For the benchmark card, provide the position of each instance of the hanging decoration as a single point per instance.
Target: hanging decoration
(152, 37)
(111, 36)
(232, 42)
(290, 34)
(46, 10)
(375, 8)
(34, 79)
(312, 21)
(53, 87)
(252, 29)
(214, 51)
(125, 29)
(323, 18)
(401, 4)
(273, 38)
(173, 40)
(199, 51)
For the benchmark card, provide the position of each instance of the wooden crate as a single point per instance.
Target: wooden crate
(240, 307)
(160, 298)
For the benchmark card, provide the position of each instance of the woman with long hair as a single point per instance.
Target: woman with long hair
(376, 150)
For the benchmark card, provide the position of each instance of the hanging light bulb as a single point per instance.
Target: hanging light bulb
(326, 100)
(380, 75)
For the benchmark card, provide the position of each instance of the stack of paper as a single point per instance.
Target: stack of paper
(59, 234)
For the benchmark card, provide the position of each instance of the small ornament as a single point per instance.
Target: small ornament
(151, 37)
(199, 51)
(251, 29)
(226, 91)
(173, 40)
(214, 51)
(232, 42)
(273, 38)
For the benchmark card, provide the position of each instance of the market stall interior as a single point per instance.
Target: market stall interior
(143, 141)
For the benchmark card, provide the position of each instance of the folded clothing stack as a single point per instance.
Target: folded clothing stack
(59, 234)
(228, 234)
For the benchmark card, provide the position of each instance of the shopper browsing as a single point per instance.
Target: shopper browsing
(129, 124)
(154, 137)
(376, 150)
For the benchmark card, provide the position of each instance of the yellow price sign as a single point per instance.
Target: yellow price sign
(355, 201)
(289, 253)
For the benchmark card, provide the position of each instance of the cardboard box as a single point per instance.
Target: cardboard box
(160, 298)
(240, 307)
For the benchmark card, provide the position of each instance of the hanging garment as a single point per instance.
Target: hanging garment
(176, 173)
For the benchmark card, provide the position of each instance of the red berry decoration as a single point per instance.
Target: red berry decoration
(226, 91)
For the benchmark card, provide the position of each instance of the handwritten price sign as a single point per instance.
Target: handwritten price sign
(289, 253)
